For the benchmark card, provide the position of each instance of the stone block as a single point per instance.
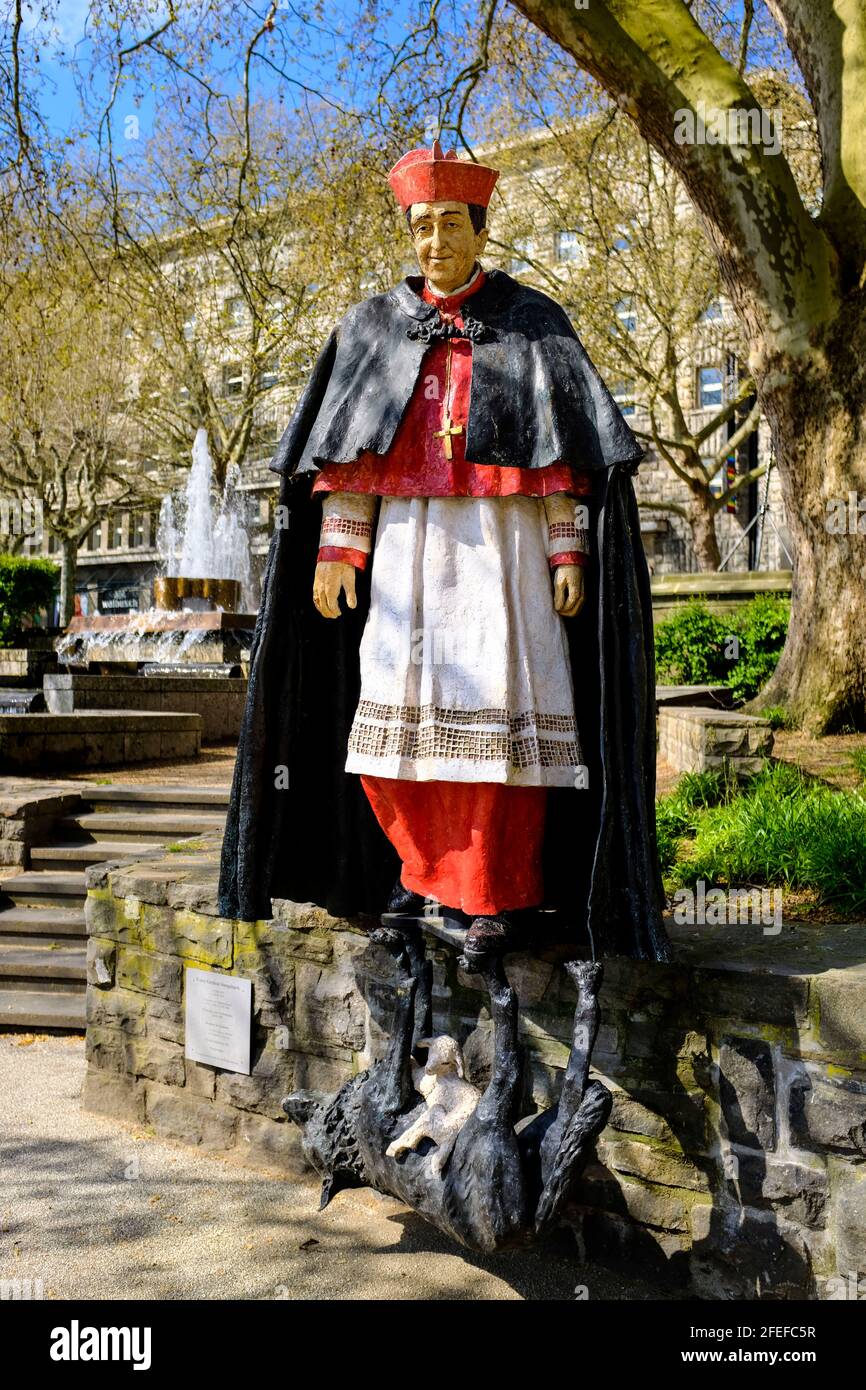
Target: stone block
(841, 1006)
(155, 1060)
(271, 1078)
(117, 1008)
(747, 1091)
(200, 1079)
(101, 955)
(329, 1007)
(105, 1048)
(108, 916)
(177, 1115)
(190, 935)
(152, 974)
(849, 1202)
(265, 1143)
(165, 1020)
(798, 1193)
(652, 1162)
(826, 1116)
(14, 852)
(122, 1097)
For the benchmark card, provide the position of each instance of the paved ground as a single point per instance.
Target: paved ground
(96, 1209)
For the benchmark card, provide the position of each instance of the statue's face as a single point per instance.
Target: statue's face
(446, 243)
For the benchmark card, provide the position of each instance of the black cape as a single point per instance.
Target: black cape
(299, 826)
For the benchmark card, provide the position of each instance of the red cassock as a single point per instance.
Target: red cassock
(469, 845)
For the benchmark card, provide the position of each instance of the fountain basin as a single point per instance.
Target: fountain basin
(157, 635)
(175, 592)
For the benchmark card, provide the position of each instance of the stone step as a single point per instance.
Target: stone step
(46, 887)
(143, 823)
(23, 923)
(48, 963)
(86, 852)
(133, 796)
(31, 1008)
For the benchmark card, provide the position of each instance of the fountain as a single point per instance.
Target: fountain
(206, 576)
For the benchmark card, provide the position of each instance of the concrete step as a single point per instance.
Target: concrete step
(24, 923)
(48, 963)
(46, 888)
(33, 1008)
(142, 823)
(86, 852)
(132, 796)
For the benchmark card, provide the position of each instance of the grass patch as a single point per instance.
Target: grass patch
(778, 717)
(780, 829)
(858, 762)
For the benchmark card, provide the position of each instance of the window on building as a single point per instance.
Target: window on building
(268, 374)
(568, 246)
(233, 379)
(115, 531)
(623, 394)
(523, 250)
(626, 314)
(711, 384)
(235, 311)
(93, 539)
(138, 531)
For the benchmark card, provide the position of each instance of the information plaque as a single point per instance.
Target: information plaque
(218, 1020)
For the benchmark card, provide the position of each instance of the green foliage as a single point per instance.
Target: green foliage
(783, 829)
(27, 585)
(777, 717)
(677, 814)
(761, 627)
(695, 647)
(858, 761)
(690, 646)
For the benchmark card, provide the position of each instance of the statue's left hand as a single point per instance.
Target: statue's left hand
(568, 590)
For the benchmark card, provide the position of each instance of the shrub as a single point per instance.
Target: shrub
(690, 646)
(761, 626)
(27, 585)
(693, 647)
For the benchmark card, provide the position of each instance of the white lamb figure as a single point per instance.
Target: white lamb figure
(450, 1101)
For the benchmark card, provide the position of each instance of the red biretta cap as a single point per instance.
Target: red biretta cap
(431, 176)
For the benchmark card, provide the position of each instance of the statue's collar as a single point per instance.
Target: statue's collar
(407, 296)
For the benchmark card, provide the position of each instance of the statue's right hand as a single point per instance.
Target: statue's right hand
(332, 579)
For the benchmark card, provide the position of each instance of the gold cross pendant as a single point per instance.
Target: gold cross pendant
(448, 428)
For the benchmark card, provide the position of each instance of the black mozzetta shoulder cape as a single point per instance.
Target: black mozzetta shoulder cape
(300, 827)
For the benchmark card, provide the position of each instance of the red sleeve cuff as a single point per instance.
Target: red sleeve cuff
(344, 554)
(567, 557)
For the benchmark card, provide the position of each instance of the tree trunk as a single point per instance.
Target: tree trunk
(702, 521)
(818, 419)
(68, 563)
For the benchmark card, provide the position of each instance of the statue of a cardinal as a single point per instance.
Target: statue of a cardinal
(451, 693)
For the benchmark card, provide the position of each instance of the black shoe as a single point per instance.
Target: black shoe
(492, 936)
(404, 901)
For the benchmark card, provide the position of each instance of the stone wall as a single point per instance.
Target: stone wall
(95, 738)
(735, 1158)
(219, 700)
(695, 739)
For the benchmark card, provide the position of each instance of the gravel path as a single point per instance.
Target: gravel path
(98, 1209)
